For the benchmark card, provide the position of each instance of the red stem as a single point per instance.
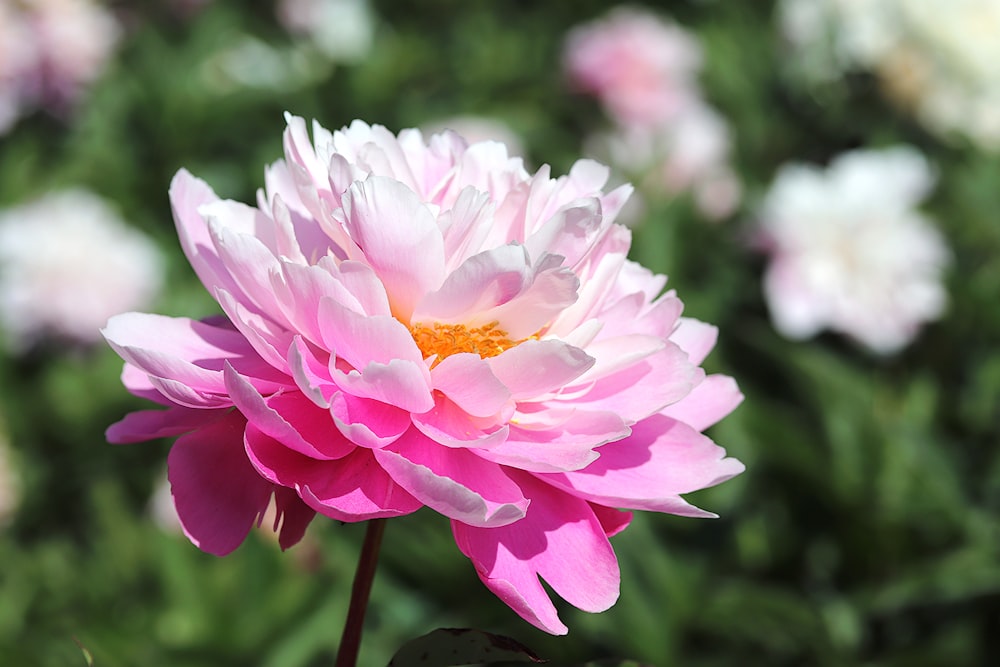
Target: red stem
(350, 641)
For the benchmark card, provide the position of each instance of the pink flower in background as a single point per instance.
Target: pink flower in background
(850, 252)
(644, 71)
(67, 263)
(50, 51)
(412, 323)
(642, 68)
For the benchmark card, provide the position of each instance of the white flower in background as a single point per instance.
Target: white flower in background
(17, 57)
(67, 263)
(343, 30)
(644, 71)
(937, 57)
(849, 251)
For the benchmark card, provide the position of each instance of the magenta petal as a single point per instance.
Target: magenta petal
(218, 494)
(560, 540)
(536, 367)
(353, 488)
(366, 422)
(708, 402)
(454, 482)
(613, 521)
(650, 469)
(467, 380)
(291, 419)
(150, 424)
(292, 518)
(400, 237)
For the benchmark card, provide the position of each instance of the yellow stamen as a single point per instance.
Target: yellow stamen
(445, 340)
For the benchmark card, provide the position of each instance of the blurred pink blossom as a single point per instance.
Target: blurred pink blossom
(50, 51)
(67, 263)
(644, 71)
(343, 30)
(642, 68)
(850, 252)
(421, 322)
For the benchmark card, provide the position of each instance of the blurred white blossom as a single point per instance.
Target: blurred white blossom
(473, 129)
(343, 30)
(850, 252)
(67, 263)
(936, 57)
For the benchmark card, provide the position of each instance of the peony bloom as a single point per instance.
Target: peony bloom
(411, 324)
(50, 51)
(642, 68)
(849, 250)
(936, 58)
(644, 71)
(67, 263)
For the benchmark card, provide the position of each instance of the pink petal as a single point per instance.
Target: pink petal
(353, 488)
(642, 389)
(537, 367)
(267, 338)
(613, 521)
(454, 482)
(696, 338)
(403, 384)
(568, 444)
(650, 469)
(449, 425)
(400, 238)
(560, 540)
(361, 339)
(150, 424)
(708, 402)
(366, 422)
(187, 195)
(571, 232)
(218, 494)
(311, 374)
(467, 380)
(290, 418)
(292, 518)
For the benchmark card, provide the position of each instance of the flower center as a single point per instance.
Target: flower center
(445, 340)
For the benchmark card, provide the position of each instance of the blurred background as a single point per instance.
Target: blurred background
(819, 178)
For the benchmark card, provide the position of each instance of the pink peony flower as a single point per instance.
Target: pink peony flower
(643, 69)
(412, 324)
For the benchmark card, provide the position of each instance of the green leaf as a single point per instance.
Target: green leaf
(446, 647)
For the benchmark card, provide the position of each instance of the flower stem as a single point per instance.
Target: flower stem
(350, 641)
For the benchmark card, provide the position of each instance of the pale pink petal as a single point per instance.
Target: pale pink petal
(454, 482)
(187, 195)
(267, 338)
(711, 400)
(360, 339)
(570, 442)
(218, 494)
(467, 380)
(696, 338)
(449, 425)
(290, 418)
(403, 384)
(572, 232)
(553, 289)
(367, 422)
(537, 367)
(650, 469)
(560, 540)
(400, 238)
(310, 370)
(642, 389)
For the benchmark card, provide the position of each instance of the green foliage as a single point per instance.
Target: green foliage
(864, 531)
